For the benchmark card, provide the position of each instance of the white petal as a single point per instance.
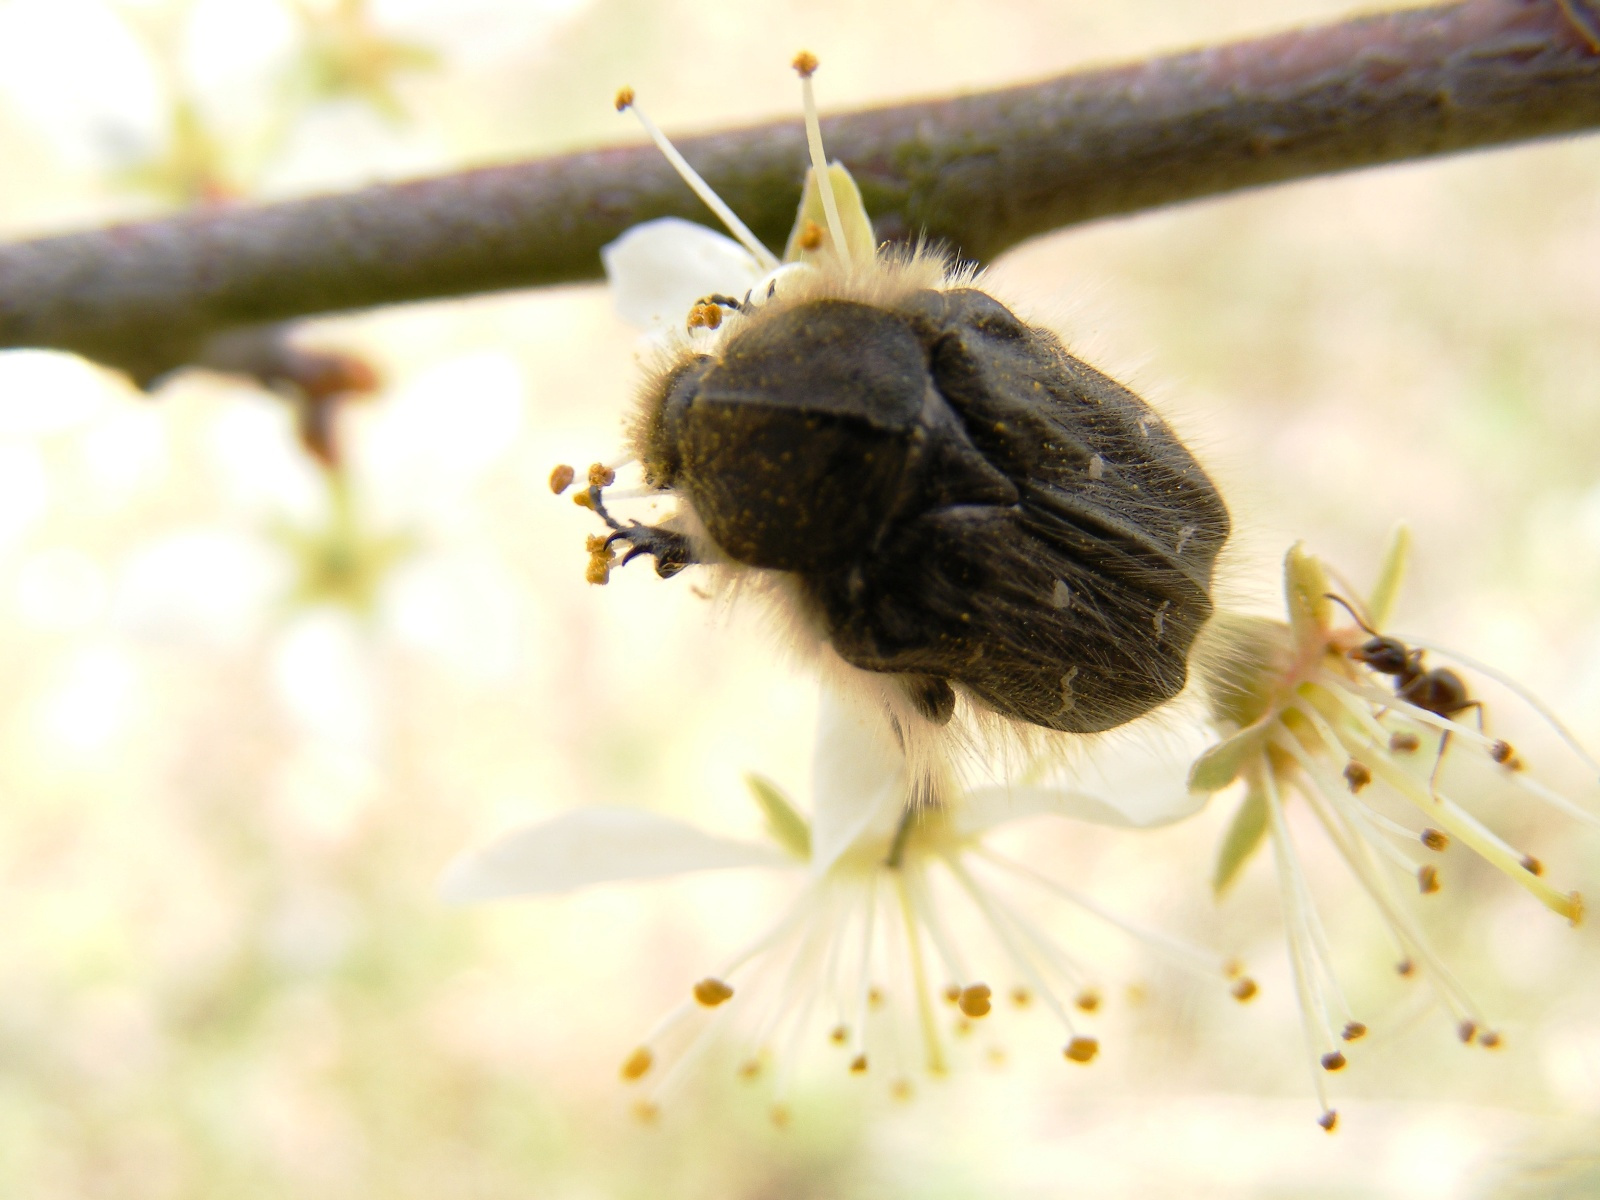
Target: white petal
(1132, 782)
(858, 781)
(657, 270)
(593, 845)
(983, 809)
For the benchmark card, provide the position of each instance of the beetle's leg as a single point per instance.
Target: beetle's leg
(669, 548)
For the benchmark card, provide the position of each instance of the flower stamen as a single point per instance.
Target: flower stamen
(730, 219)
(1180, 953)
(805, 63)
(932, 1047)
(1309, 970)
(1005, 925)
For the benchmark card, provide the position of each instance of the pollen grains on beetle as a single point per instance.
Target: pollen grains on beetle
(1380, 749)
(906, 950)
(950, 511)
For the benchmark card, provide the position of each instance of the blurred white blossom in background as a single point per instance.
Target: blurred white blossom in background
(222, 815)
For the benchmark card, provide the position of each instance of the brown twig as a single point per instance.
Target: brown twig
(981, 172)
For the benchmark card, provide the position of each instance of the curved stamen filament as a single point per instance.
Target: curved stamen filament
(1000, 922)
(697, 184)
(1520, 692)
(1402, 927)
(1555, 799)
(1373, 822)
(858, 1027)
(1455, 820)
(1302, 956)
(1051, 956)
(949, 952)
(1380, 699)
(1191, 958)
(932, 1048)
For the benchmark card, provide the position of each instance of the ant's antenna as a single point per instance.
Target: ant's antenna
(1350, 608)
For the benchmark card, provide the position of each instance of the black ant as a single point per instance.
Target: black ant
(1439, 690)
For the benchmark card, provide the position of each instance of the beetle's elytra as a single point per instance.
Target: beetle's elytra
(959, 500)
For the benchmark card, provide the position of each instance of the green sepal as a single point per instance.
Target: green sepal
(1221, 765)
(785, 825)
(1306, 588)
(860, 244)
(1391, 574)
(1244, 834)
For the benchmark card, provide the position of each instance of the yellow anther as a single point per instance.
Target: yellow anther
(1489, 1039)
(1233, 968)
(1333, 1061)
(806, 63)
(1466, 1031)
(1088, 1000)
(901, 1090)
(858, 1064)
(811, 236)
(1574, 908)
(1021, 997)
(952, 993)
(1081, 1049)
(1329, 1120)
(595, 543)
(839, 1035)
(1245, 990)
(598, 571)
(779, 1116)
(1404, 968)
(646, 1112)
(705, 316)
(1435, 839)
(1532, 865)
(561, 478)
(750, 1069)
(1502, 752)
(974, 1000)
(1403, 743)
(601, 475)
(1428, 879)
(1357, 775)
(624, 99)
(1354, 1031)
(875, 997)
(583, 499)
(637, 1064)
(712, 992)
(963, 1027)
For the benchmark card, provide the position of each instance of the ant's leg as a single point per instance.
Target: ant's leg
(1478, 704)
(1444, 743)
(1433, 776)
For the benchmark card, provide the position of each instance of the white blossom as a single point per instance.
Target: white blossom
(867, 955)
(1379, 746)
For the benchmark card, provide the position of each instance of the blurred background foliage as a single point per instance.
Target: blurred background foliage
(254, 705)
